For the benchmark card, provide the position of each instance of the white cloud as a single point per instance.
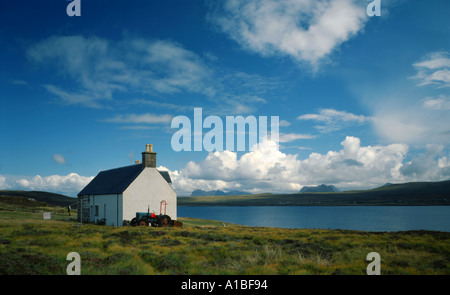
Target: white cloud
(440, 103)
(66, 184)
(421, 122)
(3, 183)
(224, 171)
(434, 70)
(284, 123)
(99, 68)
(333, 119)
(95, 72)
(288, 137)
(331, 115)
(436, 60)
(59, 159)
(70, 98)
(162, 105)
(20, 82)
(267, 169)
(177, 68)
(428, 165)
(355, 165)
(444, 165)
(140, 119)
(306, 30)
(408, 118)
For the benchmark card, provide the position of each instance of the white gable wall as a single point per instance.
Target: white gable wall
(109, 208)
(149, 189)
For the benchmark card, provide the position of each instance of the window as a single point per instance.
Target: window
(96, 210)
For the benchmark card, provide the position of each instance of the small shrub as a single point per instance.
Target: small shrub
(169, 242)
(125, 236)
(117, 257)
(173, 263)
(439, 263)
(184, 233)
(101, 221)
(4, 241)
(157, 233)
(26, 262)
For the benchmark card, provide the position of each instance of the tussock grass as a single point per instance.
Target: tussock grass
(30, 245)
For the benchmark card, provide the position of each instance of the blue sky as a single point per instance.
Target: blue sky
(362, 100)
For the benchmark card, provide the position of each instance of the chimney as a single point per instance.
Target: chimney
(149, 157)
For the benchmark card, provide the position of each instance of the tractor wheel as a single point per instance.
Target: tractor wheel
(164, 220)
(142, 222)
(133, 222)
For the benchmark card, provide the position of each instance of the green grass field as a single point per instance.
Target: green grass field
(30, 245)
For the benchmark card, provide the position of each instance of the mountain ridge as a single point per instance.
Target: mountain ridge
(200, 192)
(41, 196)
(319, 189)
(404, 194)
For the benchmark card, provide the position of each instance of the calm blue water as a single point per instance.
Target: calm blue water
(367, 218)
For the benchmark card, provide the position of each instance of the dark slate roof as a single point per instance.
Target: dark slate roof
(116, 181)
(166, 176)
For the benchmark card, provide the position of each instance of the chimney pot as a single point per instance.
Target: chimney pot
(138, 162)
(149, 157)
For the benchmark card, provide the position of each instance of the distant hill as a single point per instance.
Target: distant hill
(39, 196)
(319, 189)
(200, 192)
(405, 194)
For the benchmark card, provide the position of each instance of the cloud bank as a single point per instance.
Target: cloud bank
(267, 169)
(95, 72)
(333, 120)
(101, 68)
(69, 184)
(434, 69)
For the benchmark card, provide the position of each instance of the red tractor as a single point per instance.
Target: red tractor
(147, 218)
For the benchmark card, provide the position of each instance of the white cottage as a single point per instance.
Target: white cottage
(116, 195)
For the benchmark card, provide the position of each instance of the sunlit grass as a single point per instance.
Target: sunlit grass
(31, 245)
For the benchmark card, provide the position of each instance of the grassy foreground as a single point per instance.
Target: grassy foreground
(30, 245)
